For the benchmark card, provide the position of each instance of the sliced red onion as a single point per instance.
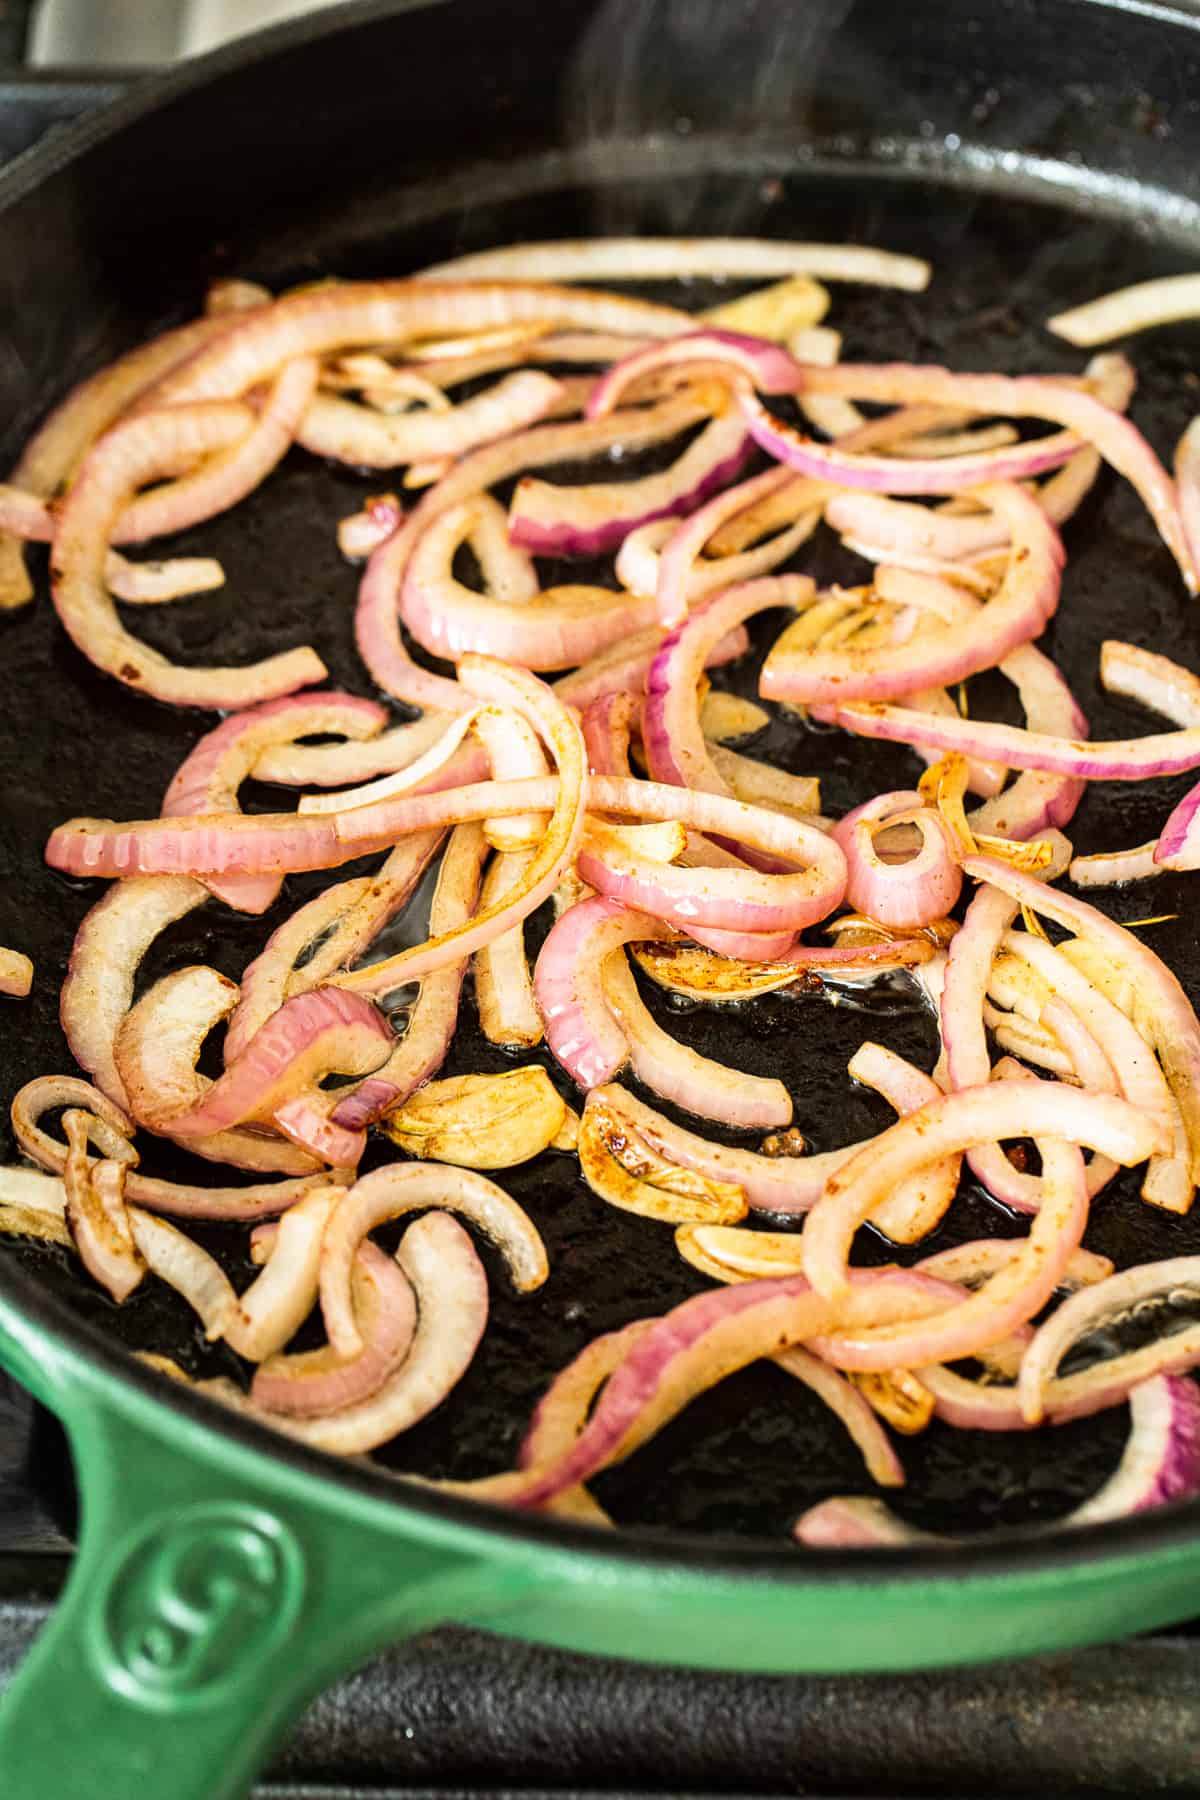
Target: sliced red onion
(1164, 1014)
(1007, 1299)
(896, 474)
(959, 1121)
(156, 1049)
(691, 1081)
(1036, 804)
(208, 779)
(561, 1414)
(376, 626)
(608, 724)
(504, 994)
(307, 1121)
(918, 1204)
(623, 669)
(341, 764)
(190, 1270)
(334, 927)
(901, 895)
(96, 1214)
(1164, 686)
(400, 1188)
(16, 974)
(581, 1030)
(1120, 1043)
(153, 583)
(974, 1261)
(767, 366)
(235, 471)
(316, 1382)
(283, 842)
(433, 1018)
(968, 1062)
(338, 316)
(1091, 1309)
(275, 1305)
(585, 521)
(677, 1358)
(1119, 442)
(1115, 868)
(441, 1265)
(1123, 759)
(559, 629)
(682, 550)
(111, 1128)
(676, 751)
(313, 1034)
(54, 452)
(727, 899)
(1026, 599)
(639, 564)
(1161, 1463)
(678, 259)
(514, 753)
(105, 958)
(783, 1186)
(1091, 1066)
(449, 761)
(1125, 310)
(560, 730)
(150, 446)
(368, 439)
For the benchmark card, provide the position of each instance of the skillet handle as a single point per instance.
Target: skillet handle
(203, 1610)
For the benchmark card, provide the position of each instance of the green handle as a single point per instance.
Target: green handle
(208, 1602)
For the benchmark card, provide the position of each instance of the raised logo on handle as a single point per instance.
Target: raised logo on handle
(194, 1601)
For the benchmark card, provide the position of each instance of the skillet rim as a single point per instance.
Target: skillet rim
(133, 1389)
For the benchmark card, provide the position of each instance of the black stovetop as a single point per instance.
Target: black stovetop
(457, 1713)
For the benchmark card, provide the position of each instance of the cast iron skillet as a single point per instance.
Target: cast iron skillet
(1038, 154)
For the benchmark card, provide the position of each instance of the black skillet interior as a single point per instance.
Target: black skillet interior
(122, 239)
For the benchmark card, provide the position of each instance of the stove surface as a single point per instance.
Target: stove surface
(457, 1712)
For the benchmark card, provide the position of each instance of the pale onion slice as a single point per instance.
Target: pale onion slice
(508, 1010)
(1137, 308)
(1105, 1303)
(479, 1121)
(682, 1075)
(677, 259)
(401, 1188)
(142, 450)
(1006, 1299)
(433, 1016)
(96, 1214)
(959, 1121)
(33, 1204)
(190, 1270)
(275, 1305)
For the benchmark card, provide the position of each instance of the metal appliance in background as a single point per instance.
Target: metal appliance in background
(957, 125)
